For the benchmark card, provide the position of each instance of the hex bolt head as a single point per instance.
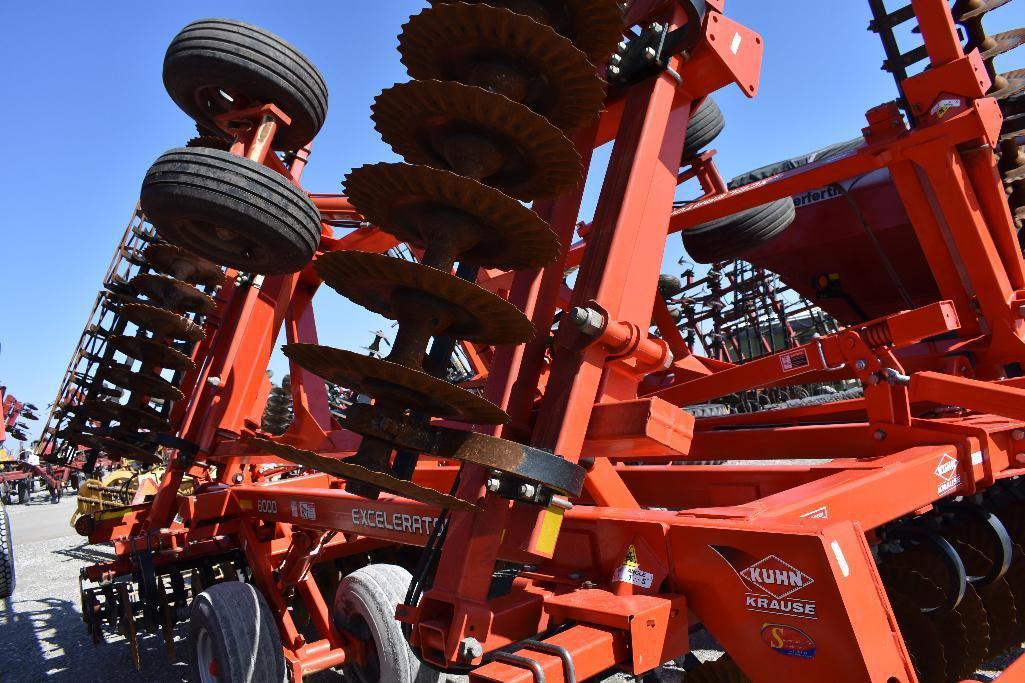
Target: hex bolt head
(649, 53)
(238, 478)
(587, 320)
(494, 483)
(213, 381)
(527, 490)
(879, 434)
(860, 365)
(1018, 434)
(470, 649)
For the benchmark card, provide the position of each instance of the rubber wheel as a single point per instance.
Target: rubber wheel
(365, 606)
(233, 637)
(213, 57)
(708, 410)
(6, 494)
(703, 128)
(6, 555)
(729, 237)
(669, 285)
(230, 210)
(24, 492)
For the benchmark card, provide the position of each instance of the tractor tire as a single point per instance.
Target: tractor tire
(365, 606)
(233, 636)
(703, 128)
(6, 555)
(231, 210)
(669, 286)
(24, 491)
(6, 493)
(708, 410)
(729, 237)
(211, 58)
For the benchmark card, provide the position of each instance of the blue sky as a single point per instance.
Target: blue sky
(86, 113)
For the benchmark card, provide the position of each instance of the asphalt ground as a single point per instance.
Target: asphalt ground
(42, 636)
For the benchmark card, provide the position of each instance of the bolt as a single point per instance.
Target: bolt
(587, 320)
(615, 59)
(614, 70)
(879, 434)
(649, 53)
(1018, 434)
(860, 365)
(494, 483)
(527, 490)
(237, 478)
(213, 381)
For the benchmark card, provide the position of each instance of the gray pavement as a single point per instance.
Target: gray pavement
(42, 636)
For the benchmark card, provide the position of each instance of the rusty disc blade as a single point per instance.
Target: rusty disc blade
(128, 451)
(950, 627)
(351, 471)
(997, 598)
(1005, 42)
(507, 53)
(74, 435)
(173, 294)
(402, 199)
(96, 409)
(162, 323)
(151, 353)
(971, 609)
(152, 386)
(382, 379)
(394, 288)
(594, 26)
(180, 264)
(477, 133)
(1013, 84)
(922, 638)
(980, 9)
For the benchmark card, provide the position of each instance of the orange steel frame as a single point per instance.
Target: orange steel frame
(616, 396)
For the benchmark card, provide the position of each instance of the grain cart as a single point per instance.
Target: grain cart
(534, 523)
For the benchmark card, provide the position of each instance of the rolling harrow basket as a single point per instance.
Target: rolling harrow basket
(538, 520)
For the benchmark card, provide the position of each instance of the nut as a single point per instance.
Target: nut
(1018, 434)
(587, 320)
(494, 483)
(527, 490)
(879, 434)
(860, 365)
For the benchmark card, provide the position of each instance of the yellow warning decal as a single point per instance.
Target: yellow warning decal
(631, 558)
(245, 504)
(549, 533)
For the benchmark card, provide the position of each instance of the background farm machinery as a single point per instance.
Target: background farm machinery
(537, 519)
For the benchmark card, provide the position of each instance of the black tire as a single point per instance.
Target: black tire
(365, 606)
(232, 626)
(6, 555)
(213, 56)
(708, 410)
(669, 285)
(6, 493)
(231, 210)
(729, 237)
(24, 491)
(704, 127)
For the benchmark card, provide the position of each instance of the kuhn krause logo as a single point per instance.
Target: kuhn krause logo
(771, 583)
(946, 472)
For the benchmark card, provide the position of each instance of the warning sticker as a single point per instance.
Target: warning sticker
(633, 576)
(631, 558)
(794, 360)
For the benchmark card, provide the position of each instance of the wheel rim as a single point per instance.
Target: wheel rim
(206, 662)
(370, 672)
